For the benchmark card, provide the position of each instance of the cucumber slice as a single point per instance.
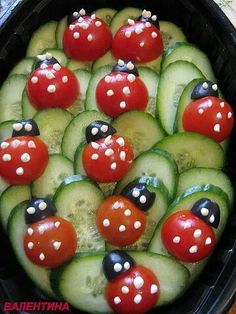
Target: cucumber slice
(61, 26)
(171, 34)
(89, 296)
(154, 214)
(193, 150)
(186, 200)
(42, 38)
(11, 197)
(75, 132)
(184, 100)
(52, 124)
(83, 78)
(200, 176)
(24, 66)
(121, 18)
(140, 128)
(172, 82)
(91, 103)
(16, 231)
(58, 168)
(191, 53)
(154, 163)
(3, 185)
(58, 54)
(78, 65)
(106, 14)
(77, 200)
(6, 130)
(28, 110)
(10, 97)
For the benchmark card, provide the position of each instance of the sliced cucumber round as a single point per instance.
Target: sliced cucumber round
(52, 124)
(58, 54)
(140, 128)
(58, 169)
(121, 17)
(171, 34)
(193, 150)
(11, 197)
(78, 65)
(153, 163)
(186, 200)
(106, 14)
(75, 132)
(3, 185)
(60, 29)
(28, 110)
(24, 66)
(171, 85)
(6, 130)
(77, 200)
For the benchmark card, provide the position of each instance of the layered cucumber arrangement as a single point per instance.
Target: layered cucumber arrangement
(113, 140)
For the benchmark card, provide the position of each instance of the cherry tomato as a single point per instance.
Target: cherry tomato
(209, 116)
(50, 242)
(119, 92)
(135, 291)
(108, 159)
(187, 237)
(87, 40)
(23, 159)
(138, 42)
(52, 86)
(119, 221)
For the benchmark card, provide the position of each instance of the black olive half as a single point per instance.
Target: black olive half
(203, 89)
(208, 211)
(26, 127)
(125, 66)
(39, 209)
(97, 130)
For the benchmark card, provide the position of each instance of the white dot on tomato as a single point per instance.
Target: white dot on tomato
(137, 299)
(125, 290)
(106, 223)
(117, 267)
(153, 289)
(137, 225)
(117, 300)
(138, 282)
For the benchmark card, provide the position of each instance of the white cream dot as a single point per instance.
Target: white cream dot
(222, 104)
(137, 299)
(94, 156)
(120, 141)
(117, 267)
(153, 289)
(42, 205)
(212, 219)
(17, 126)
(204, 211)
(95, 145)
(107, 140)
(25, 157)
(126, 90)
(205, 85)
(90, 37)
(154, 34)
(143, 199)
(208, 241)
(43, 66)
(42, 257)
(230, 115)
(154, 17)
(30, 231)
(116, 205)
(141, 44)
(121, 63)
(122, 228)
(72, 27)
(28, 127)
(122, 155)
(176, 239)
(187, 224)
(135, 193)
(110, 92)
(84, 25)
(193, 249)
(148, 24)
(131, 22)
(125, 290)
(82, 12)
(138, 30)
(31, 144)
(4, 145)
(113, 166)
(30, 245)
(41, 229)
(122, 104)
(138, 282)
(106, 223)
(56, 245)
(127, 212)
(51, 89)
(57, 224)
(31, 210)
(109, 152)
(215, 87)
(118, 77)
(75, 14)
(41, 57)
(34, 80)
(104, 128)
(137, 225)
(20, 171)
(117, 300)
(219, 115)
(197, 233)
(217, 128)
(209, 103)
(57, 67)
(131, 78)
(200, 111)
(130, 65)
(65, 79)
(126, 265)
(76, 35)
(16, 143)
(94, 131)
(6, 157)
(50, 75)
(93, 16)
(128, 34)
(108, 79)
(98, 23)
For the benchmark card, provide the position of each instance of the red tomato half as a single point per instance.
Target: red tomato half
(119, 221)
(87, 40)
(140, 42)
(23, 159)
(135, 291)
(108, 159)
(54, 86)
(209, 116)
(50, 242)
(187, 237)
(119, 92)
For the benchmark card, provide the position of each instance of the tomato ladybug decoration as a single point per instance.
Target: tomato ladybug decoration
(120, 219)
(51, 85)
(49, 241)
(188, 235)
(131, 288)
(121, 90)
(107, 157)
(207, 114)
(23, 157)
(86, 38)
(140, 40)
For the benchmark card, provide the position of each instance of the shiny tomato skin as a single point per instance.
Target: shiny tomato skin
(19, 150)
(116, 289)
(209, 116)
(110, 218)
(82, 48)
(65, 84)
(138, 48)
(43, 242)
(112, 168)
(136, 99)
(187, 237)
